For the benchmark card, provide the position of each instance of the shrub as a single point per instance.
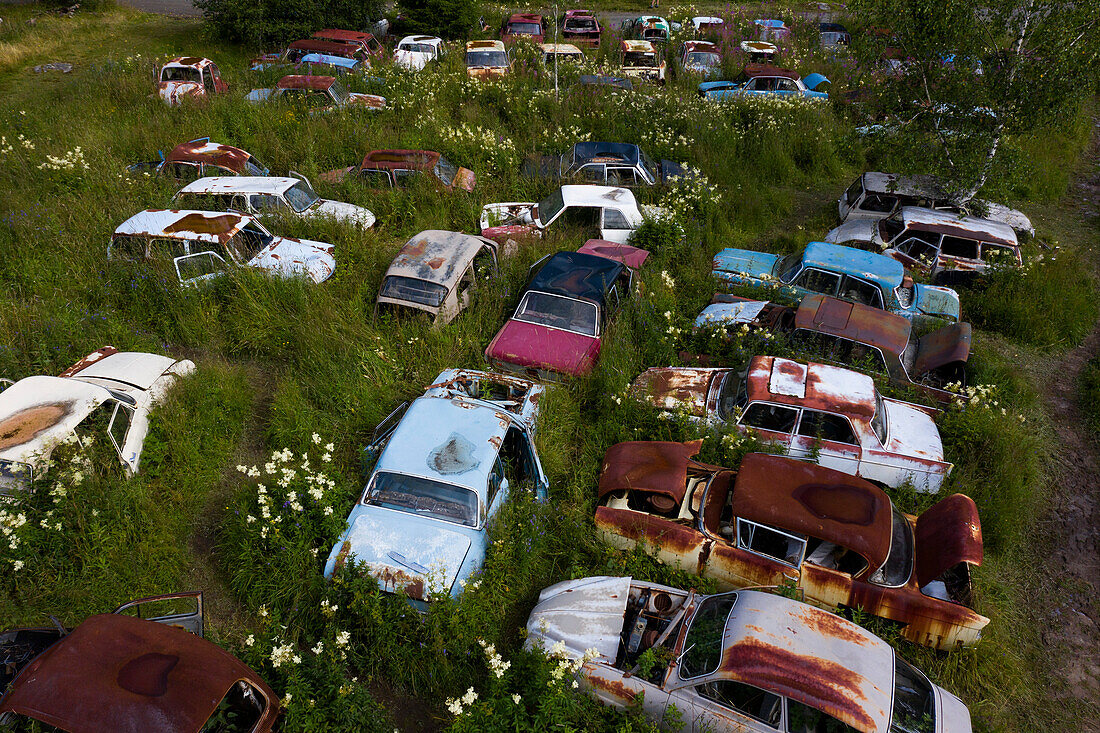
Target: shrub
(276, 21)
(443, 18)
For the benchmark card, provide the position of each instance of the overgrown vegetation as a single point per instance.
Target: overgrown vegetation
(280, 361)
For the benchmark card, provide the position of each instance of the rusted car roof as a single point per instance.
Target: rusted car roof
(204, 226)
(945, 535)
(812, 656)
(816, 501)
(391, 159)
(525, 18)
(204, 151)
(437, 256)
(700, 47)
(636, 46)
(754, 70)
(190, 62)
(495, 45)
(301, 81)
(318, 45)
(120, 673)
(654, 466)
(343, 35)
(817, 386)
(862, 323)
(956, 225)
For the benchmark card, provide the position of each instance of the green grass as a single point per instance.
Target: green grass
(279, 361)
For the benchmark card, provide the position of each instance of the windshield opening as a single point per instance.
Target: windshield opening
(899, 563)
(411, 289)
(732, 397)
(703, 642)
(557, 311)
(301, 196)
(891, 227)
(548, 209)
(14, 476)
(253, 168)
(699, 58)
(421, 496)
(528, 29)
(338, 92)
(580, 24)
(639, 58)
(416, 48)
(445, 171)
(179, 73)
(486, 58)
(648, 165)
(787, 267)
(249, 242)
(914, 701)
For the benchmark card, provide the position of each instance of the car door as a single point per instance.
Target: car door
(614, 226)
(828, 439)
(827, 573)
(771, 422)
(380, 437)
(182, 610)
(727, 705)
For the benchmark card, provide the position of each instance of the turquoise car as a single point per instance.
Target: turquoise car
(762, 79)
(843, 272)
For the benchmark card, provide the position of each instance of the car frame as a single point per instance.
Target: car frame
(764, 79)
(207, 244)
(490, 58)
(470, 436)
(818, 412)
(268, 195)
(127, 673)
(311, 88)
(438, 272)
(861, 277)
(616, 210)
(173, 91)
(586, 36)
(395, 166)
(410, 51)
(652, 28)
(769, 660)
(775, 520)
(642, 60)
(577, 294)
(39, 413)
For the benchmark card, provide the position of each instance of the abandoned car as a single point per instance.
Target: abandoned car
(613, 212)
(757, 79)
(877, 195)
(598, 81)
(843, 272)
(859, 337)
(603, 163)
(834, 36)
(949, 247)
(701, 57)
(105, 396)
(189, 77)
(438, 272)
(144, 667)
(771, 30)
(200, 157)
(815, 412)
(581, 27)
(745, 661)
(319, 93)
(648, 28)
(446, 464)
(641, 60)
(289, 196)
(709, 26)
(523, 25)
(193, 246)
(366, 41)
(759, 52)
(319, 64)
(414, 52)
(560, 53)
(399, 168)
(297, 50)
(564, 310)
(486, 59)
(837, 538)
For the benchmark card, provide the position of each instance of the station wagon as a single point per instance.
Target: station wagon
(286, 196)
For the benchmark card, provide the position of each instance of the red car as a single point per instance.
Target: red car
(395, 168)
(518, 25)
(563, 311)
(581, 27)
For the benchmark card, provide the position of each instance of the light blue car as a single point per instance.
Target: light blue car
(446, 464)
(763, 79)
(843, 272)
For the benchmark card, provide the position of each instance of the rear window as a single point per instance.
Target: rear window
(413, 290)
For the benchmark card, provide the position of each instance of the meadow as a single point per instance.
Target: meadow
(285, 368)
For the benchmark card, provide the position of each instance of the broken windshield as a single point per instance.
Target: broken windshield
(415, 495)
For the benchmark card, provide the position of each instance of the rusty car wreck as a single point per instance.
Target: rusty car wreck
(776, 520)
(131, 672)
(744, 662)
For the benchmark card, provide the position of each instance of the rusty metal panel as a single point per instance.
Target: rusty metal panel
(855, 321)
(947, 534)
(649, 466)
(943, 346)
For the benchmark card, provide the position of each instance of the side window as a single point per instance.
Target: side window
(827, 426)
(208, 80)
(879, 204)
(128, 248)
(496, 476)
(263, 203)
(166, 250)
(804, 719)
(614, 219)
(581, 216)
(751, 85)
(770, 542)
(996, 254)
(786, 85)
(621, 177)
(466, 282)
(593, 173)
(918, 250)
(958, 247)
(745, 699)
(861, 291)
(402, 177)
(120, 425)
(776, 418)
(865, 355)
(818, 281)
(375, 178)
(515, 455)
(181, 171)
(485, 264)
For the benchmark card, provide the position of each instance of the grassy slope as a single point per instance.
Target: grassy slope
(327, 365)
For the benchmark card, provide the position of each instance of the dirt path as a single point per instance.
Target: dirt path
(1071, 526)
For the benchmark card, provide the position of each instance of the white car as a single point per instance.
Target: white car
(199, 245)
(258, 196)
(414, 52)
(614, 212)
(41, 412)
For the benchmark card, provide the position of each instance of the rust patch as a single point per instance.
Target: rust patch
(190, 60)
(831, 625)
(436, 262)
(342, 556)
(148, 674)
(393, 580)
(195, 223)
(26, 425)
(615, 688)
(844, 504)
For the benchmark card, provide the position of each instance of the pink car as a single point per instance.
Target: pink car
(563, 311)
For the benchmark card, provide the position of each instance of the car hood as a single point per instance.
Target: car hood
(952, 716)
(404, 551)
(935, 301)
(676, 388)
(541, 347)
(943, 346)
(745, 262)
(412, 60)
(342, 212)
(369, 101)
(293, 257)
(583, 614)
(913, 432)
(856, 230)
(173, 92)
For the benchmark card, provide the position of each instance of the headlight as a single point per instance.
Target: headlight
(14, 476)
